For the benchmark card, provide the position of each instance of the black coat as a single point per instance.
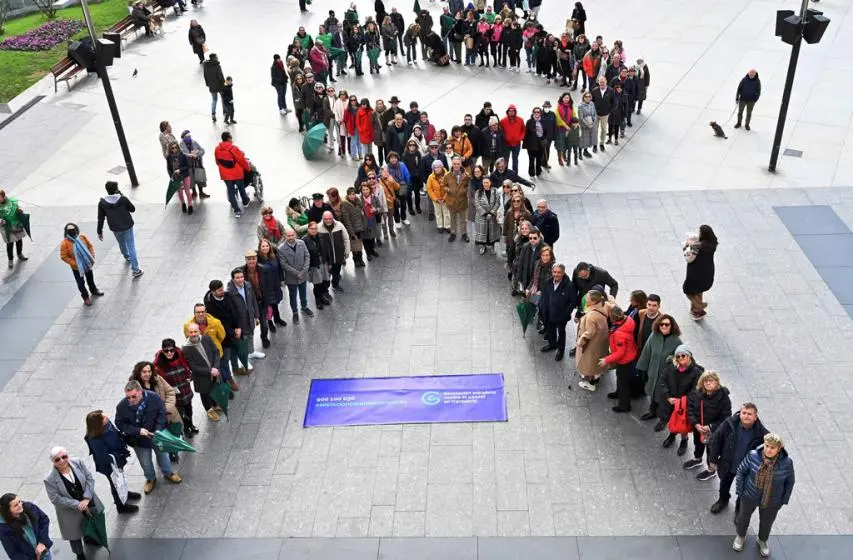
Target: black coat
(268, 280)
(492, 146)
(675, 384)
(412, 160)
(397, 20)
(709, 410)
(395, 140)
(749, 89)
(117, 214)
(557, 304)
(314, 255)
(153, 419)
(110, 443)
(214, 79)
(332, 245)
(316, 214)
(549, 226)
(597, 276)
(498, 178)
(197, 39)
(203, 382)
(721, 449)
(226, 311)
(603, 103)
(278, 76)
(700, 273)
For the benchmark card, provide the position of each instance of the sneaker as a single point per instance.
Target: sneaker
(719, 505)
(737, 546)
(282, 112)
(238, 215)
(306, 311)
(138, 273)
(706, 475)
(213, 415)
(296, 315)
(174, 478)
(613, 395)
(149, 486)
(407, 222)
(257, 355)
(482, 249)
(692, 464)
(682, 447)
(127, 508)
(763, 547)
(587, 385)
(249, 368)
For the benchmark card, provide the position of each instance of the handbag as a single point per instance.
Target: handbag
(119, 480)
(678, 423)
(199, 175)
(469, 42)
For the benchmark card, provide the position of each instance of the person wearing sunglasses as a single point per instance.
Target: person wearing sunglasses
(588, 117)
(677, 381)
(24, 529)
(70, 488)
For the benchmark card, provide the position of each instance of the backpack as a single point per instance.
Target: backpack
(227, 164)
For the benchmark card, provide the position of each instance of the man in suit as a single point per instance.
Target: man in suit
(558, 300)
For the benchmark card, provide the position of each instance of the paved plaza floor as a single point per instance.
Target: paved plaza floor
(564, 465)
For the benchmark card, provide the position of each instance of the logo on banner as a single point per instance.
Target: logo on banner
(431, 398)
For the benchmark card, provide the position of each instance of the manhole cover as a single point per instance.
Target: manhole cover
(117, 170)
(792, 153)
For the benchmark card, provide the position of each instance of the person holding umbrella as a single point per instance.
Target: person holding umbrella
(202, 356)
(15, 224)
(70, 488)
(24, 529)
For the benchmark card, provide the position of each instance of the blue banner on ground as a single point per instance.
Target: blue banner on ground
(406, 400)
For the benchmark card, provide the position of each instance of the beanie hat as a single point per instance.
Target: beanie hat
(683, 349)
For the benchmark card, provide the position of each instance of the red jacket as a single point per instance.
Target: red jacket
(364, 124)
(349, 121)
(623, 347)
(231, 162)
(514, 129)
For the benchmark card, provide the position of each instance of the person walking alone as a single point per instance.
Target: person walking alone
(77, 252)
(700, 272)
(12, 227)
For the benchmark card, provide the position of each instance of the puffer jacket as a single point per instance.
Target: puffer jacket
(675, 384)
(623, 346)
(783, 478)
(231, 162)
(709, 410)
(352, 217)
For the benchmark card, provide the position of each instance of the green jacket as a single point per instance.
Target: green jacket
(307, 42)
(326, 39)
(656, 352)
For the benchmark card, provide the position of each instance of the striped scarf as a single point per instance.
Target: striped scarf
(764, 478)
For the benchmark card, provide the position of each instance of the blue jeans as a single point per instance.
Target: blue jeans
(513, 152)
(234, 187)
(225, 365)
(128, 247)
(282, 96)
(303, 296)
(470, 56)
(355, 148)
(214, 97)
(146, 461)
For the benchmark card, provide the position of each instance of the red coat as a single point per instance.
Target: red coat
(231, 162)
(364, 124)
(349, 121)
(623, 347)
(514, 129)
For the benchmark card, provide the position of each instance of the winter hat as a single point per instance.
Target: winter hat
(437, 164)
(493, 120)
(683, 349)
(418, 126)
(547, 104)
(185, 133)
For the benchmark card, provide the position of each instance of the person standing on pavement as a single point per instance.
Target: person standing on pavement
(593, 341)
(70, 488)
(138, 417)
(264, 281)
(233, 167)
(248, 317)
(657, 352)
(547, 223)
(12, 227)
(24, 529)
(335, 247)
(731, 441)
(765, 481)
(318, 269)
(557, 301)
(268, 257)
(203, 358)
(194, 152)
(487, 206)
(295, 262)
(116, 209)
(700, 272)
(514, 129)
(278, 80)
(166, 139)
(77, 252)
(748, 92)
(454, 184)
(623, 352)
(221, 305)
(105, 445)
(214, 79)
(603, 99)
(170, 365)
(708, 406)
(645, 320)
(678, 380)
(535, 138)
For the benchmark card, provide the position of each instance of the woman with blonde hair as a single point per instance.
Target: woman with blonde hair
(707, 407)
(593, 341)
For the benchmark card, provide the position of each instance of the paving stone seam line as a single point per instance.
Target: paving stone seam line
(665, 97)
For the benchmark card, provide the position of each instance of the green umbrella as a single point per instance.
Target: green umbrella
(358, 55)
(165, 441)
(173, 187)
(176, 428)
(220, 394)
(313, 140)
(526, 312)
(95, 528)
(446, 22)
(417, 7)
(24, 218)
(335, 52)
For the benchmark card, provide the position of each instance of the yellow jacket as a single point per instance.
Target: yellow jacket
(214, 330)
(434, 188)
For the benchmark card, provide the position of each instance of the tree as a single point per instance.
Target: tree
(4, 14)
(45, 7)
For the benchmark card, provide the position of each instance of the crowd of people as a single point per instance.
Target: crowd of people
(469, 182)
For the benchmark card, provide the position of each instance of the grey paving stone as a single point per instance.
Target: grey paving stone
(428, 549)
(602, 548)
(332, 549)
(511, 548)
(827, 250)
(811, 220)
(222, 549)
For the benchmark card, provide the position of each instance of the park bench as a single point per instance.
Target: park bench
(63, 71)
(124, 28)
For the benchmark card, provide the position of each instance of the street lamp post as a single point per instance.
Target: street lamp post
(108, 91)
(797, 28)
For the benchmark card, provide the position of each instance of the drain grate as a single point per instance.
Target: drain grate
(117, 170)
(792, 153)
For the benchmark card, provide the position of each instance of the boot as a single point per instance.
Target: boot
(586, 153)
(234, 386)
(737, 124)
(576, 159)
(560, 159)
(184, 207)
(201, 192)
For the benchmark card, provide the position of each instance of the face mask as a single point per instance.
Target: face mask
(546, 109)
(71, 232)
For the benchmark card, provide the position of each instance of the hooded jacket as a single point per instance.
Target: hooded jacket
(514, 128)
(623, 347)
(214, 79)
(231, 162)
(749, 89)
(116, 209)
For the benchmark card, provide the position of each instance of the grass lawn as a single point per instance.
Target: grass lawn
(20, 70)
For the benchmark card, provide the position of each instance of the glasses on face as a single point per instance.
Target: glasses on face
(681, 356)
(60, 458)
(168, 350)
(665, 325)
(371, 177)
(267, 213)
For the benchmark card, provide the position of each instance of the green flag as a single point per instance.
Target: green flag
(417, 7)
